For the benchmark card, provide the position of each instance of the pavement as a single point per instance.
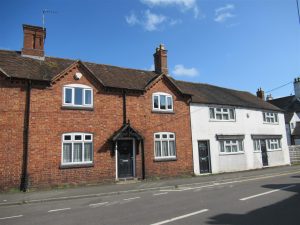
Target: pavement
(18, 198)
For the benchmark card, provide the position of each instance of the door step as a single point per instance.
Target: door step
(128, 180)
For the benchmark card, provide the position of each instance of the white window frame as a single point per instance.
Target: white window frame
(270, 142)
(223, 112)
(161, 139)
(270, 117)
(230, 143)
(84, 89)
(72, 142)
(167, 96)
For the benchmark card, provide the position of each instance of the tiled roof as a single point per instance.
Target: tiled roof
(14, 65)
(210, 94)
(288, 103)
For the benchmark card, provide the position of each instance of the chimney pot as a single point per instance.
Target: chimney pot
(260, 94)
(34, 38)
(269, 97)
(297, 87)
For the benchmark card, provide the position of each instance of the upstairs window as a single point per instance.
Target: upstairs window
(77, 95)
(164, 145)
(270, 117)
(77, 148)
(226, 114)
(162, 102)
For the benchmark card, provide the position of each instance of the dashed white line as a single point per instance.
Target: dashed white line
(267, 192)
(129, 199)
(10, 217)
(57, 210)
(180, 217)
(98, 204)
(163, 193)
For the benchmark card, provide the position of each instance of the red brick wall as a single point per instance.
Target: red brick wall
(49, 121)
(12, 108)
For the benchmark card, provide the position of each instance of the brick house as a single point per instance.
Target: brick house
(66, 121)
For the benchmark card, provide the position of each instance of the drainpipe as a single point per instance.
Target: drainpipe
(143, 160)
(124, 107)
(25, 175)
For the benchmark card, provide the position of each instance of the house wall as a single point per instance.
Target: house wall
(12, 108)
(248, 122)
(48, 121)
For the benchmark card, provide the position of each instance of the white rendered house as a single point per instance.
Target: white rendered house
(234, 130)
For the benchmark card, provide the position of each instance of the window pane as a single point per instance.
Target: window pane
(162, 102)
(228, 148)
(225, 110)
(67, 137)
(276, 117)
(164, 148)
(264, 114)
(164, 136)
(67, 153)
(241, 146)
(234, 148)
(172, 148)
(157, 149)
(225, 117)
(88, 137)
(211, 113)
(171, 135)
(88, 97)
(78, 96)
(77, 137)
(157, 136)
(219, 116)
(77, 157)
(88, 152)
(218, 109)
(222, 146)
(155, 104)
(169, 100)
(68, 95)
(231, 112)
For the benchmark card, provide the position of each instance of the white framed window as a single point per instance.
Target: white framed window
(271, 144)
(77, 95)
(162, 102)
(226, 114)
(77, 148)
(270, 117)
(164, 145)
(231, 146)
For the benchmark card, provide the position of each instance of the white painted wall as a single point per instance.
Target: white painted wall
(248, 122)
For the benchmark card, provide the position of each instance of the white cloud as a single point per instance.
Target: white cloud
(224, 13)
(180, 70)
(184, 5)
(151, 21)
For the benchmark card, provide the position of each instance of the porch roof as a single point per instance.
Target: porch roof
(126, 131)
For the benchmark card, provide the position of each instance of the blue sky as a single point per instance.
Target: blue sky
(239, 44)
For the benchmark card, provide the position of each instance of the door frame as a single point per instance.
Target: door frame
(117, 157)
(209, 155)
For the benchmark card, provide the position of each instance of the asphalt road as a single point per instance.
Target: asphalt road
(270, 200)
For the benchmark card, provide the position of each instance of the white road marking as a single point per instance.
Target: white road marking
(180, 217)
(129, 199)
(56, 210)
(267, 192)
(10, 217)
(163, 193)
(112, 203)
(97, 204)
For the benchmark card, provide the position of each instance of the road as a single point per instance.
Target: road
(270, 200)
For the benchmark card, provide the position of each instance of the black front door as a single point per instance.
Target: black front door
(204, 156)
(264, 154)
(125, 158)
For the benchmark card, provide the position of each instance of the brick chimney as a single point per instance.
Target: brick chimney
(160, 60)
(260, 94)
(34, 38)
(297, 87)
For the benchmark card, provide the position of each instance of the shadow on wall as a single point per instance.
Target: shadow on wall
(285, 212)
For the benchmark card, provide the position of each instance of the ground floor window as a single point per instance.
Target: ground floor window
(271, 144)
(165, 147)
(77, 148)
(231, 146)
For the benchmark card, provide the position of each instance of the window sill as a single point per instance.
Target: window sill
(164, 159)
(274, 150)
(232, 153)
(71, 166)
(270, 123)
(212, 120)
(77, 108)
(163, 112)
